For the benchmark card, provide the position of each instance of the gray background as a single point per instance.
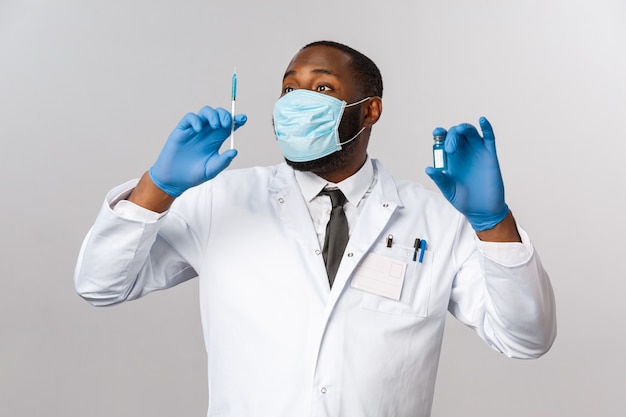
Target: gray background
(89, 91)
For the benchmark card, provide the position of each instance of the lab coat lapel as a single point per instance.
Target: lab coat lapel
(373, 220)
(286, 198)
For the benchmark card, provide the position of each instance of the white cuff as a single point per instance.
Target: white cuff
(509, 254)
(132, 211)
(127, 210)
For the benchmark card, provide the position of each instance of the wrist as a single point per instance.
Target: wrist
(482, 222)
(150, 196)
(172, 190)
(504, 231)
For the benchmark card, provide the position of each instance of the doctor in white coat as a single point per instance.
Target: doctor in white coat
(281, 339)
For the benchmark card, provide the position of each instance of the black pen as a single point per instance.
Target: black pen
(416, 245)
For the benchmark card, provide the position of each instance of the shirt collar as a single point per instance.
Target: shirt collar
(353, 187)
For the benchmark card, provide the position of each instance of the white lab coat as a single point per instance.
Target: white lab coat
(279, 341)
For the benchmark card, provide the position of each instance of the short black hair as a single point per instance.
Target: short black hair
(368, 75)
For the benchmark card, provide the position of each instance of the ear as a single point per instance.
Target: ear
(373, 111)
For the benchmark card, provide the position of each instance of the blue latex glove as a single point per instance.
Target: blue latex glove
(472, 181)
(191, 154)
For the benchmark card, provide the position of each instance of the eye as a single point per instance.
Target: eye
(323, 88)
(287, 90)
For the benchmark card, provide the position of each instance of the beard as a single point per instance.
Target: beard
(348, 127)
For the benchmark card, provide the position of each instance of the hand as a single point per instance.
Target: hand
(190, 155)
(472, 181)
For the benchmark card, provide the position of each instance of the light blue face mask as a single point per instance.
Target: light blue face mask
(306, 124)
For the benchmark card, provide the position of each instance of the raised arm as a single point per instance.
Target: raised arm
(473, 181)
(502, 291)
(131, 250)
(189, 158)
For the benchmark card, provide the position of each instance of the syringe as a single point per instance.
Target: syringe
(232, 108)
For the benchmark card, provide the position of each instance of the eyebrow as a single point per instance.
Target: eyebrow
(314, 71)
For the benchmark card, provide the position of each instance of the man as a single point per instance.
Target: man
(289, 331)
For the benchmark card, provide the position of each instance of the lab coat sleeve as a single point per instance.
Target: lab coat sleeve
(123, 258)
(503, 292)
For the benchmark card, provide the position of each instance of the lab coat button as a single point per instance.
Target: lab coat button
(350, 255)
(385, 205)
(317, 251)
(323, 390)
(281, 200)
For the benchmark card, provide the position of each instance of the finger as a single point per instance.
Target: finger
(220, 118)
(190, 120)
(471, 134)
(467, 129)
(209, 116)
(220, 162)
(216, 118)
(240, 120)
(486, 128)
(452, 140)
(441, 180)
(229, 154)
(225, 118)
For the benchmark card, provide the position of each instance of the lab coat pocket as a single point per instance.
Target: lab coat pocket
(415, 294)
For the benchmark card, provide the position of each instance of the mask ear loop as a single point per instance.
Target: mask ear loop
(353, 137)
(358, 102)
(363, 128)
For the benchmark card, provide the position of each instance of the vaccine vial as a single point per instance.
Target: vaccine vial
(439, 154)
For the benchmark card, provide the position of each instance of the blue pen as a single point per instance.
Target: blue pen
(233, 96)
(422, 250)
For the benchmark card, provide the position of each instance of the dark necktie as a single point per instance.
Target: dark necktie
(336, 234)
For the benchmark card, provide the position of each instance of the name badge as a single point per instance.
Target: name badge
(380, 275)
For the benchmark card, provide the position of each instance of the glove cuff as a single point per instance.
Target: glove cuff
(482, 222)
(169, 189)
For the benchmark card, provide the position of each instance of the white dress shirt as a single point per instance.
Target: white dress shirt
(356, 189)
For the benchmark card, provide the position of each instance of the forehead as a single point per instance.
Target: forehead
(321, 58)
